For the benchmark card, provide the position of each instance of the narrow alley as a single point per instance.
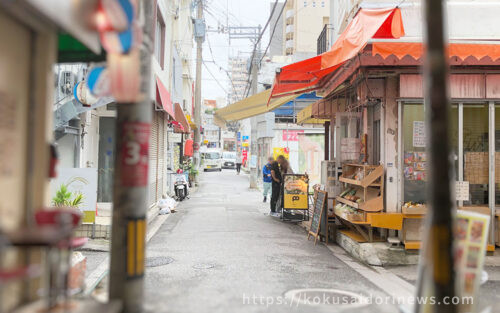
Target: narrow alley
(224, 249)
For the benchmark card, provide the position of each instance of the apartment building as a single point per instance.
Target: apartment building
(303, 22)
(238, 66)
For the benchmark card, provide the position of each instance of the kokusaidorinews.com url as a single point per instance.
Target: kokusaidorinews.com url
(326, 299)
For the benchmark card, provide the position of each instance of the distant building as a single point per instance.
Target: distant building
(276, 30)
(303, 22)
(239, 77)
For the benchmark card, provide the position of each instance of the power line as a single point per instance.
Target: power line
(247, 89)
(274, 29)
(216, 80)
(220, 67)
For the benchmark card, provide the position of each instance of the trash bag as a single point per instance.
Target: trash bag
(166, 204)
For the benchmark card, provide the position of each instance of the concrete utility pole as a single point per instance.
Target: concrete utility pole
(197, 95)
(437, 274)
(130, 182)
(253, 120)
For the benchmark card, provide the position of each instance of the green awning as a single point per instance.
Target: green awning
(70, 50)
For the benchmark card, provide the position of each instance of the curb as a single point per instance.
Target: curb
(154, 223)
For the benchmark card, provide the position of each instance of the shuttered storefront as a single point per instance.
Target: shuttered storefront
(161, 155)
(153, 158)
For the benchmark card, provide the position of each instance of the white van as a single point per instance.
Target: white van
(228, 159)
(211, 159)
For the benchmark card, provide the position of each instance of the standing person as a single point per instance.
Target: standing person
(267, 178)
(238, 163)
(286, 168)
(276, 184)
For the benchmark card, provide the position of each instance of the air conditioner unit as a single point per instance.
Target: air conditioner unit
(67, 81)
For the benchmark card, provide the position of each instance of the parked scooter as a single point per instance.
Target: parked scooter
(181, 185)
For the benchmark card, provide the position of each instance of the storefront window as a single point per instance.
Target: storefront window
(414, 163)
(476, 163)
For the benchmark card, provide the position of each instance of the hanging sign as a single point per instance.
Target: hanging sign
(114, 15)
(98, 81)
(134, 154)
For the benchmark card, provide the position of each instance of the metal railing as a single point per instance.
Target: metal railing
(323, 41)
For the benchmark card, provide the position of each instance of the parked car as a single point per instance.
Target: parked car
(228, 159)
(211, 159)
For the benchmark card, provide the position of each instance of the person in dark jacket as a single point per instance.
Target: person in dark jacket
(267, 178)
(276, 184)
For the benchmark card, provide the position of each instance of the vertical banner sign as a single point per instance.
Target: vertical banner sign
(471, 233)
(134, 156)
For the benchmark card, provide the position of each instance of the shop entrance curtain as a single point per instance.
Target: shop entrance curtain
(310, 74)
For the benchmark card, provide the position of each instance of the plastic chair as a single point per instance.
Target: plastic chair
(62, 218)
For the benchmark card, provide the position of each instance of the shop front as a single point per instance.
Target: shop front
(474, 128)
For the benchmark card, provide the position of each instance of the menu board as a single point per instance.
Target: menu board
(295, 192)
(471, 233)
(319, 207)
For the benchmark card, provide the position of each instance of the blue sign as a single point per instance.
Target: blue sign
(238, 135)
(245, 138)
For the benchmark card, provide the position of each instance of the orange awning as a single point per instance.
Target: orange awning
(416, 49)
(181, 119)
(309, 74)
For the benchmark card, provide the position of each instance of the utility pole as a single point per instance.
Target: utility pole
(253, 33)
(200, 38)
(253, 120)
(130, 182)
(436, 273)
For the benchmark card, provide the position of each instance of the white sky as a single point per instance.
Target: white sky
(241, 13)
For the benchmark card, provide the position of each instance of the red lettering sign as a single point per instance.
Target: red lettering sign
(134, 154)
(291, 135)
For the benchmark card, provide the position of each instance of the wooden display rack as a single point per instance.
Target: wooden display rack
(370, 189)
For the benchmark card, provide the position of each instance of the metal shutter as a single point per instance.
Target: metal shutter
(153, 158)
(161, 158)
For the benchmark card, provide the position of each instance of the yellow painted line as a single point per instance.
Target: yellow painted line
(141, 233)
(131, 248)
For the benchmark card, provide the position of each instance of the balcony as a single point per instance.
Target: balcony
(323, 42)
(289, 13)
(289, 44)
(289, 29)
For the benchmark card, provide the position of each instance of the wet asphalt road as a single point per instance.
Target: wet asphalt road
(228, 255)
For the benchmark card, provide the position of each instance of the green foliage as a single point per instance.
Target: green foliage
(64, 197)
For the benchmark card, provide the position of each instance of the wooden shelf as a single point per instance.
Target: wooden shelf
(348, 202)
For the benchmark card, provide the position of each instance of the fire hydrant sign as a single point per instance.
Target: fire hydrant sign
(134, 154)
